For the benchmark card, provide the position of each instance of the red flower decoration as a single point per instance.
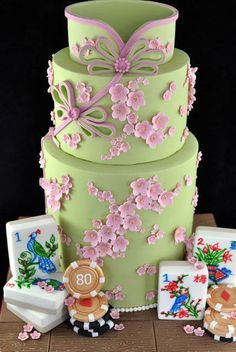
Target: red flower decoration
(205, 250)
(172, 286)
(183, 313)
(227, 257)
(215, 247)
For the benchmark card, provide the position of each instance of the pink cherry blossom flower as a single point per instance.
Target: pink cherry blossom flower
(132, 223)
(127, 208)
(76, 49)
(115, 151)
(118, 93)
(50, 73)
(132, 118)
(185, 134)
(160, 121)
(154, 191)
(150, 295)
(180, 235)
(199, 158)
(35, 335)
(128, 129)
(136, 100)
(125, 147)
(160, 234)
(92, 236)
(53, 204)
(119, 327)
(166, 199)
(104, 249)
(169, 48)
(143, 129)
(188, 329)
(69, 301)
(114, 220)
(151, 239)
(155, 138)
(90, 253)
(42, 161)
(97, 223)
(28, 327)
(115, 314)
(154, 44)
(140, 186)
(141, 270)
(99, 261)
(42, 284)
(113, 208)
(107, 195)
(133, 85)
(119, 296)
(49, 289)
(23, 336)
(171, 131)
(172, 87)
(151, 270)
(199, 331)
(84, 97)
(120, 111)
(182, 110)
(92, 190)
(109, 295)
(142, 202)
(107, 233)
(195, 198)
(177, 189)
(233, 314)
(120, 244)
(167, 95)
(188, 180)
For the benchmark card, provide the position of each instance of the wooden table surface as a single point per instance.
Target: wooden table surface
(142, 333)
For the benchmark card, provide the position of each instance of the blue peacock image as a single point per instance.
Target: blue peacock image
(40, 255)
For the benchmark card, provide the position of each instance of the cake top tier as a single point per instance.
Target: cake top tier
(124, 26)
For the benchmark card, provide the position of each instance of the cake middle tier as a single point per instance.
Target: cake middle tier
(138, 120)
(123, 215)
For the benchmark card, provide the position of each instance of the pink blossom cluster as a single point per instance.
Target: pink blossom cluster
(115, 314)
(150, 295)
(52, 117)
(195, 198)
(155, 44)
(84, 92)
(180, 235)
(182, 110)
(86, 41)
(65, 239)
(119, 327)
(167, 95)
(27, 333)
(188, 180)
(72, 140)
(185, 134)
(118, 146)
(199, 158)
(42, 161)
(47, 288)
(50, 73)
(147, 269)
(155, 235)
(191, 81)
(56, 192)
(189, 329)
(116, 294)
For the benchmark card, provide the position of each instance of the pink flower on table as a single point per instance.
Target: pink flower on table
(92, 236)
(128, 129)
(172, 87)
(120, 244)
(119, 327)
(113, 208)
(69, 301)
(97, 223)
(133, 85)
(114, 220)
(118, 93)
(104, 249)
(188, 329)
(154, 191)
(166, 199)
(150, 295)
(136, 100)
(132, 223)
(23, 336)
(154, 44)
(142, 202)
(106, 233)
(140, 186)
(188, 180)
(92, 190)
(182, 110)
(180, 235)
(151, 239)
(115, 314)
(152, 270)
(35, 335)
(28, 327)
(160, 121)
(49, 289)
(127, 208)
(155, 138)
(143, 129)
(199, 331)
(89, 252)
(132, 118)
(167, 95)
(120, 111)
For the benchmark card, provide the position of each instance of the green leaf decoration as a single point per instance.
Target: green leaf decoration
(47, 244)
(22, 271)
(52, 239)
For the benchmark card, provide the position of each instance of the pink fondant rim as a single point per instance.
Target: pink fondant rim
(146, 26)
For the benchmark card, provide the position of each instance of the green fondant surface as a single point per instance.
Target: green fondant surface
(92, 148)
(77, 213)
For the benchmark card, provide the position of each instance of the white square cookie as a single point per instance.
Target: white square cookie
(182, 291)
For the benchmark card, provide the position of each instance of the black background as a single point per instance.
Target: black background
(32, 31)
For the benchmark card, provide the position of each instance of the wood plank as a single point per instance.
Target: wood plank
(63, 339)
(10, 343)
(170, 337)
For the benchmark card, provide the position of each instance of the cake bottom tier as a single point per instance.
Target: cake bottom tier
(122, 216)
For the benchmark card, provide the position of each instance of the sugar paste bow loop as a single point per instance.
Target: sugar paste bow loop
(135, 57)
(91, 119)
